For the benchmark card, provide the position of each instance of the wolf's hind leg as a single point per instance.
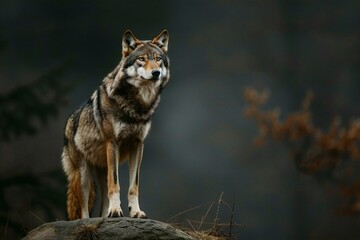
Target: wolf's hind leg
(134, 173)
(86, 184)
(101, 174)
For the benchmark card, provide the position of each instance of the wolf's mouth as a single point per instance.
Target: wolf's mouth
(154, 79)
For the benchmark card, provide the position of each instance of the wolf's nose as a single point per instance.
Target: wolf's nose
(155, 73)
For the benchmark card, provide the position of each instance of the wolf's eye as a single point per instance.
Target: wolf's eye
(141, 59)
(158, 59)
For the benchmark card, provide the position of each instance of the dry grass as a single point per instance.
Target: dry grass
(87, 231)
(207, 230)
(317, 152)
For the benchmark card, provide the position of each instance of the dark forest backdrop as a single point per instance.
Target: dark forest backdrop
(53, 54)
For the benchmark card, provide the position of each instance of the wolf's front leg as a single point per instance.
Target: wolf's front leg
(134, 168)
(113, 156)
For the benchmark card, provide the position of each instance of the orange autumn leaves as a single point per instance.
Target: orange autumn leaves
(315, 151)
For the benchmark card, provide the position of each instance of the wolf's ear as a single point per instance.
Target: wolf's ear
(162, 40)
(129, 43)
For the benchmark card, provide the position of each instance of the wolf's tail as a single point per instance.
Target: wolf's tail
(74, 195)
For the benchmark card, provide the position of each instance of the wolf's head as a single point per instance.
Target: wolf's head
(144, 61)
(144, 65)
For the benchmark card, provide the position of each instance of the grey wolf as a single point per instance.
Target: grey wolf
(110, 128)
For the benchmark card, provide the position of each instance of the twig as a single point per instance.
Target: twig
(219, 224)
(191, 225)
(204, 217)
(231, 220)
(37, 217)
(216, 220)
(181, 213)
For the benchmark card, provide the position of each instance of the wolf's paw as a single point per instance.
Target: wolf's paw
(138, 214)
(117, 212)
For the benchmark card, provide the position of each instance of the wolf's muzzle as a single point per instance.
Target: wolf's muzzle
(155, 75)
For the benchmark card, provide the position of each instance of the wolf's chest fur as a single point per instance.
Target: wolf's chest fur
(123, 129)
(130, 106)
(120, 117)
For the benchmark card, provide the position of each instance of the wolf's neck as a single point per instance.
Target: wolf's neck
(136, 102)
(145, 92)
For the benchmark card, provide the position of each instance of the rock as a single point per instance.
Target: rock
(107, 228)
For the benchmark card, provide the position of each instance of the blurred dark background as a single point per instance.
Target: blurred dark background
(200, 144)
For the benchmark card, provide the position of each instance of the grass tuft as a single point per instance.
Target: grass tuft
(87, 231)
(208, 230)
